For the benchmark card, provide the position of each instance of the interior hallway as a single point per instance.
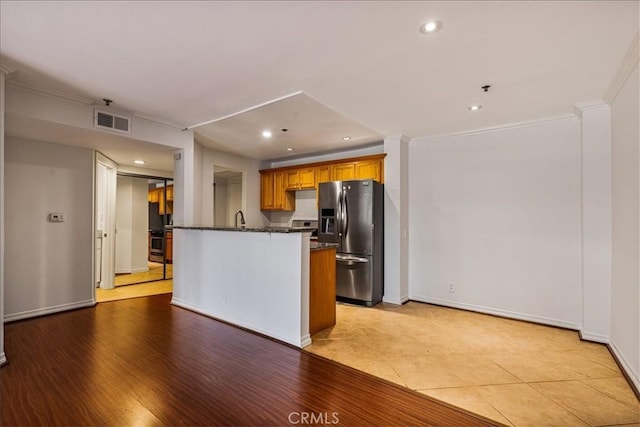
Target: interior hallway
(513, 372)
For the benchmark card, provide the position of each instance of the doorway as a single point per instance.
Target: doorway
(227, 196)
(143, 245)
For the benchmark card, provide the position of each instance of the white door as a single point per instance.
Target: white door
(105, 221)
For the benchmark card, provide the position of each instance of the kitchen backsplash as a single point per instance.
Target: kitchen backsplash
(306, 208)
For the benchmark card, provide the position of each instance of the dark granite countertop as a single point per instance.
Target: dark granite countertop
(317, 246)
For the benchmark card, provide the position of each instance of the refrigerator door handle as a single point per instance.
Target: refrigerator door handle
(351, 259)
(345, 209)
(339, 215)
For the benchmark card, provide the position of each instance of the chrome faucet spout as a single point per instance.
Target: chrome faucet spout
(242, 223)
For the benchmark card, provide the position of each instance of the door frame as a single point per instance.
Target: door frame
(104, 192)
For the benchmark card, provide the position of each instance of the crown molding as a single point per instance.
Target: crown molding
(548, 120)
(581, 107)
(629, 63)
(50, 93)
(6, 70)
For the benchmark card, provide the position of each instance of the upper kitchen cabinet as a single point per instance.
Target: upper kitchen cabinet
(343, 171)
(170, 193)
(323, 174)
(277, 186)
(273, 194)
(301, 179)
(153, 196)
(266, 190)
(370, 169)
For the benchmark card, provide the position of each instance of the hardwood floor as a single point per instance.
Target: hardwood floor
(144, 362)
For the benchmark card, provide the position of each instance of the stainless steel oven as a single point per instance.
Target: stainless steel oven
(156, 246)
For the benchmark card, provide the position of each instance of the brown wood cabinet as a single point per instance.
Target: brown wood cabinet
(157, 195)
(301, 179)
(266, 190)
(153, 196)
(277, 186)
(343, 171)
(322, 290)
(273, 194)
(169, 247)
(370, 169)
(323, 174)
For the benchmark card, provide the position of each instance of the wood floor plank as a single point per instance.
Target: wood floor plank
(143, 361)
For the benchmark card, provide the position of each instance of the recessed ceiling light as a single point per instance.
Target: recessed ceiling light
(139, 162)
(475, 107)
(346, 138)
(289, 149)
(430, 27)
(266, 133)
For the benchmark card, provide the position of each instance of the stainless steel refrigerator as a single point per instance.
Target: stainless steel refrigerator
(351, 214)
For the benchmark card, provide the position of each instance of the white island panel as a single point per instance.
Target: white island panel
(257, 280)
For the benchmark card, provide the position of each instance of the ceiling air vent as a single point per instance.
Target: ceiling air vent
(111, 121)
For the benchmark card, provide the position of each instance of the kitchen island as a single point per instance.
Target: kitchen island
(256, 278)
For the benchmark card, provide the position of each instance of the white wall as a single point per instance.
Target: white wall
(396, 220)
(132, 225)
(27, 103)
(625, 295)
(250, 168)
(124, 227)
(220, 203)
(259, 281)
(48, 266)
(595, 120)
(3, 358)
(234, 199)
(497, 214)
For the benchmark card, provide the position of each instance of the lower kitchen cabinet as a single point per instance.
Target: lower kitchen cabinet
(169, 247)
(322, 290)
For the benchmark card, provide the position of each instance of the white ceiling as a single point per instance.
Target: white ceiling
(362, 63)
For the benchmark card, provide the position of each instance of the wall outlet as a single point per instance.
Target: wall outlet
(56, 217)
(224, 296)
(452, 289)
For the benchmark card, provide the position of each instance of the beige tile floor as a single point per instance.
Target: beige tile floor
(134, 291)
(155, 272)
(515, 373)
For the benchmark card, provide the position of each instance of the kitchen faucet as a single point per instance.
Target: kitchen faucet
(241, 219)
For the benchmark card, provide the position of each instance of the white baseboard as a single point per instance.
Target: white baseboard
(305, 341)
(48, 310)
(396, 301)
(602, 339)
(3, 359)
(498, 312)
(634, 376)
(132, 270)
(300, 342)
